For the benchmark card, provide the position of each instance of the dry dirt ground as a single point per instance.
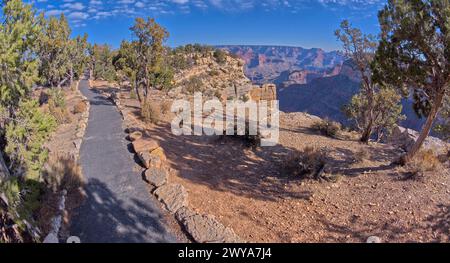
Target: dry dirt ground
(246, 190)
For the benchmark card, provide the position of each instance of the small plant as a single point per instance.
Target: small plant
(165, 107)
(307, 164)
(361, 155)
(60, 114)
(133, 95)
(327, 127)
(57, 95)
(62, 172)
(150, 113)
(194, 84)
(80, 107)
(220, 56)
(424, 161)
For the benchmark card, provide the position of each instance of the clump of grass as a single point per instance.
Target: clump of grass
(165, 106)
(133, 94)
(362, 155)
(306, 164)
(424, 161)
(150, 113)
(57, 106)
(62, 172)
(327, 127)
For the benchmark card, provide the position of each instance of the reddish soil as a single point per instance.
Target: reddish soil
(246, 190)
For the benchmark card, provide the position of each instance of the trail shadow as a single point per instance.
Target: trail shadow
(103, 218)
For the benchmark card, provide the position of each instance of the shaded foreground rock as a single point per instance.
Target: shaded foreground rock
(156, 177)
(173, 196)
(205, 228)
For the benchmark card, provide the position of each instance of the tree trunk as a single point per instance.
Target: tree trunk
(370, 95)
(136, 87)
(4, 171)
(425, 130)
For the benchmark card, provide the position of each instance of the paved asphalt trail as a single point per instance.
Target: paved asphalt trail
(118, 207)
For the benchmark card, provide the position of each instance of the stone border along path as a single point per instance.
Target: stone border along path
(174, 197)
(117, 208)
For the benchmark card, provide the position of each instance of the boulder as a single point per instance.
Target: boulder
(145, 145)
(155, 158)
(405, 139)
(156, 177)
(173, 196)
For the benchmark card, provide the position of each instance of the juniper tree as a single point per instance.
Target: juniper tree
(374, 108)
(150, 37)
(125, 63)
(414, 56)
(19, 31)
(54, 48)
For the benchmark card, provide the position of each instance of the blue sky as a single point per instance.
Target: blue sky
(306, 23)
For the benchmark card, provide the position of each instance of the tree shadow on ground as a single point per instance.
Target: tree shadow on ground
(225, 164)
(436, 226)
(104, 218)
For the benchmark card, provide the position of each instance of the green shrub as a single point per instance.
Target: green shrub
(25, 137)
(220, 56)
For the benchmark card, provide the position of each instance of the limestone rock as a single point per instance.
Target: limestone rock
(156, 177)
(373, 239)
(155, 158)
(206, 229)
(77, 143)
(405, 138)
(145, 145)
(173, 196)
(136, 135)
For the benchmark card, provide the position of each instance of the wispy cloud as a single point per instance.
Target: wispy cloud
(78, 11)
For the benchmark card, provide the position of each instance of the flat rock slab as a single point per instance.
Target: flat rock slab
(205, 228)
(145, 145)
(173, 196)
(156, 177)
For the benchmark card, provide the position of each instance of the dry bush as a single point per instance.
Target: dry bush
(327, 127)
(307, 164)
(424, 161)
(165, 106)
(150, 113)
(362, 155)
(61, 114)
(80, 107)
(62, 172)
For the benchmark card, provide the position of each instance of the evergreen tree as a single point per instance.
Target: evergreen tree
(374, 108)
(414, 56)
(54, 49)
(19, 31)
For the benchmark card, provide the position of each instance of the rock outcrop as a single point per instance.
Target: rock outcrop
(405, 138)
